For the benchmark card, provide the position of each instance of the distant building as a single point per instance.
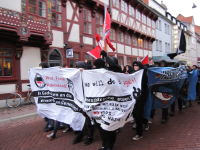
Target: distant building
(197, 31)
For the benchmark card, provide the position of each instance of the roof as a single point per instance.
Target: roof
(197, 29)
(185, 19)
(146, 1)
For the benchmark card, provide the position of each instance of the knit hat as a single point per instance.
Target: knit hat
(99, 63)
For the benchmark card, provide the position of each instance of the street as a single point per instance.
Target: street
(182, 131)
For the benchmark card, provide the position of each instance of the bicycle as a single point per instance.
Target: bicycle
(14, 99)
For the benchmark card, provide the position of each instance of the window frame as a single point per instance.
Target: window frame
(131, 11)
(13, 77)
(127, 39)
(56, 12)
(124, 6)
(87, 10)
(115, 3)
(112, 34)
(135, 41)
(99, 25)
(121, 35)
(74, 59)
(138, 14)
(119, 61)
(37, 8)
(140, 43)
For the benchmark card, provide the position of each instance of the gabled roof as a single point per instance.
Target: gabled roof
(185, 19)
(197, 29)
(146, 1)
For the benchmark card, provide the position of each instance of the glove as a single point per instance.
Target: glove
(103, 53)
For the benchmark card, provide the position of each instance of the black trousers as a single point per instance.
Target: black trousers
(89, 128)
(179, 105)
(108, 138)
(165, 113)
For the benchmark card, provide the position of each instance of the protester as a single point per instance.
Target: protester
(138, 112)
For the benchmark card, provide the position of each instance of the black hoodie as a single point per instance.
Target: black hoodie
(44, 64)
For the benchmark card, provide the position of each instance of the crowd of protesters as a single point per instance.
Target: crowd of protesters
(109, 137)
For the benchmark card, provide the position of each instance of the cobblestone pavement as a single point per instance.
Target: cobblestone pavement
(182, 131)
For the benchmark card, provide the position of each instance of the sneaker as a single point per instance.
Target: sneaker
(77, 139)
(147, 127)
(151, 120)
(132, 121)
(52, 135)
(183, 106)
(171, 113)
(134, 126)
(67, 130)
(137, 137)
(103, 148)
(88, 141)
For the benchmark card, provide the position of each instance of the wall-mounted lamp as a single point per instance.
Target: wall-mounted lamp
(44, 55)
(18, 54)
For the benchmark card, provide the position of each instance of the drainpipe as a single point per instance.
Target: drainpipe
(110, 7)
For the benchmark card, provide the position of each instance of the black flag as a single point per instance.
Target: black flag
(181, 48)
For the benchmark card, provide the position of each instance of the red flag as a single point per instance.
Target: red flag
(145, 60)
(95, 52)
(97, 37)
(107, 23)
(110, 44)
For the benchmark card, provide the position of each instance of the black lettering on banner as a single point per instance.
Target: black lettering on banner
(106, 123)
(108, 98)
(111, 81)
(98, 83)
(45, 100)
(64, 95)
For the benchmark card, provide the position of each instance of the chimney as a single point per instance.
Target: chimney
(162, 2)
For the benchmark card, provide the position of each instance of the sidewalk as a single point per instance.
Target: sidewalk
(22, 111)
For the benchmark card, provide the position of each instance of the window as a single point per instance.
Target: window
(157, 45)
(87, 21)
(169, 48)
(56, 13)
(129, 62)
(131, 11)
(6, 62)
(120, 37)
(134, 41)
(188, 40)
(150, 45)
(99, 25)
(120, 61)
(160, 26)
(166, 47)
(148, 21)
(145, 44)
(153, 24)
(144, 19)
(116, 3)
(88, 57)
(124, 6)
(127, 39)
(157, 24)
(37, 7)
(138, 16)
(74, 60)
(112, 34)
(140, 42)
(160, 48)
(167, 29)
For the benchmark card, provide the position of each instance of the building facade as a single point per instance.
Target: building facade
(43, 30)
(197, 31)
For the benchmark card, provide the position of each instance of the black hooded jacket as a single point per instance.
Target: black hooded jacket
(80, 64)
(44, 64)
(113, 64)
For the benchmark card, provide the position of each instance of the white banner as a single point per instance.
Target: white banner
(110, 97)
(59, 95)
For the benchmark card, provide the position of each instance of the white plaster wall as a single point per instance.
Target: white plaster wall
(109, 49)
(68, 24)
(154, 5)
(150, 53)
(25, 87)
(57, 39)
(105, 2)
(141, 52)
(123, 18)
(135, 51)
(74, 34)
(69, 11)
(31, 57)
(115, 14)
(128, 50)
(11, 4)
(87, 40)
(120, 48)
(7, 88)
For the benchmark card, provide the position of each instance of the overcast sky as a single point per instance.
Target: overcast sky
(184, 7)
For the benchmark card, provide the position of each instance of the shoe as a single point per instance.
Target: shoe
(151, 120)
(183, 106)
(132, 121)
(52, 135)
(117, 131)
(47, 124)
(171, 113)
(134, 126)
(88, 141)
(190, 104)
(163, 121)
(198, 101)
(67, 130)
(147, 127)
(180, 111)
(77, 139)
(137, 137)
(103, 148)
(48, 129)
